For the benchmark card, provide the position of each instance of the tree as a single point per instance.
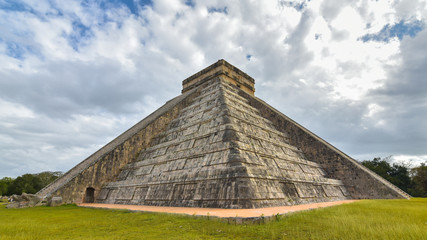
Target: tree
(397, 173)
(48, 177)
(4, 185)
(27, 183)
(419, 179)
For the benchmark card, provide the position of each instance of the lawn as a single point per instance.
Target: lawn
(367, 219)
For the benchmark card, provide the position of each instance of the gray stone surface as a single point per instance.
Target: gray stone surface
(24, 200)
(32, 199)
(13, 205)
(54, 201)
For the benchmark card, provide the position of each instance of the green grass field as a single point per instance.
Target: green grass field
(367, 219)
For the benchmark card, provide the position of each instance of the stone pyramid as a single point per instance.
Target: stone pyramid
(217, 145)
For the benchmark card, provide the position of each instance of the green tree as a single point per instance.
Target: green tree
(397, 174)
(419, 179)
(4, 185)
(27, 183)
(48, 177)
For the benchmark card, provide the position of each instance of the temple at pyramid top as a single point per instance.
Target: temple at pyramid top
(231, 74)
(217, 145)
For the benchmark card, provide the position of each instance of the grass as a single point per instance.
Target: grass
(367, 219)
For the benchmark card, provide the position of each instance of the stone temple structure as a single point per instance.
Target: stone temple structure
(217, 145)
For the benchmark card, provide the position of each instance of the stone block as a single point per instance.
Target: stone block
(55, 201)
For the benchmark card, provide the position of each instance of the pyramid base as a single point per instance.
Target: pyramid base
(234, 193)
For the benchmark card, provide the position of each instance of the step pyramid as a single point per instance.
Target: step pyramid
(217, 145)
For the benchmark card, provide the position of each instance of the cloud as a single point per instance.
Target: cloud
(76, 74)
(403, 98)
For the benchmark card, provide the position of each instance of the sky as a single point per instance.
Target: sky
(76, 74)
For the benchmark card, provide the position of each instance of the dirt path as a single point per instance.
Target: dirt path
(219, 212)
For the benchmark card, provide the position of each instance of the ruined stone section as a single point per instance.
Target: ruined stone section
(220, 152)
(24, 200)
(104, 165)
(228, 73)
(359, 182)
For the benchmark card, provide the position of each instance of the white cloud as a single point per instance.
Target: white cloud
(69, 66)
(410, 160)
(13, 110)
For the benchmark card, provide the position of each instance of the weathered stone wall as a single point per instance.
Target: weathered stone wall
(107, 167)
(359, 181)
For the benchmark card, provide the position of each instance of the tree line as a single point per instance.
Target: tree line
(410, 180)
(27, 183)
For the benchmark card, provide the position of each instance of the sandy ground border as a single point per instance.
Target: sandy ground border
(219, 212)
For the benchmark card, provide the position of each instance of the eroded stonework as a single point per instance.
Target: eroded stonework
(217, 145)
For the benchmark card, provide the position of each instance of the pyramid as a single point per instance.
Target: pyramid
(217, 145)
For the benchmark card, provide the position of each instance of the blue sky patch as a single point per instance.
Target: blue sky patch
(19, 51)
(132, 5)
(299, 6)
(79, 35)
(17, 6)
(14, 6)
(398, 30)
(15, 50)
(190, 3)
(218, 10)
